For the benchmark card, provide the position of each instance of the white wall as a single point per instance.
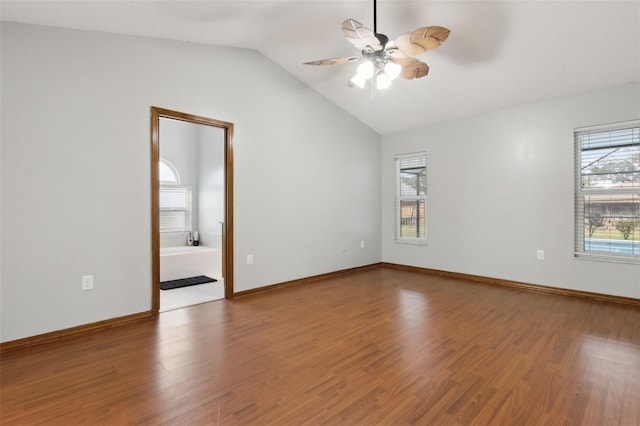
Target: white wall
(211, 185)
(500, 186)
(75, 113)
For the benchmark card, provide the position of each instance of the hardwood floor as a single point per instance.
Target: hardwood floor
(383, 346)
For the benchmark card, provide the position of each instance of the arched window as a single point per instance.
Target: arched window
(175, 200)
(168, 173)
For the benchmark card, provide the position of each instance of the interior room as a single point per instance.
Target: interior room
(442, 247)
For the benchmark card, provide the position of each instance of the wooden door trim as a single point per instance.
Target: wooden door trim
(227, 229)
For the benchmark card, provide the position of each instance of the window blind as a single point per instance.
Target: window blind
(411, 198)
(607, 192)
(175, 208)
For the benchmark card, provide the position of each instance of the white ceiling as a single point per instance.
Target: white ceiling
(500, 54)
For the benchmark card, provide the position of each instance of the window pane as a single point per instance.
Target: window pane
(412, 181)
(412, 219)
(612, 223)
(166, 174)
(611, 159)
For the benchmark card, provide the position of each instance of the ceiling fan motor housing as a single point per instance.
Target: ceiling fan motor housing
(377, 57)
(383, 39)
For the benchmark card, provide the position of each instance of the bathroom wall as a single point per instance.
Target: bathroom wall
(179, 145)
(211, 185)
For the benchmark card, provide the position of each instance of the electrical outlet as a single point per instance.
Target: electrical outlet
(362, 244)
(87, 282)
(249, 259)
(540, 254)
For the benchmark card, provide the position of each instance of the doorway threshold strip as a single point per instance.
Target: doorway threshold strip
(185, 282)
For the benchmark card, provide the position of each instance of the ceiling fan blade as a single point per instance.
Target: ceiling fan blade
(412, 68)
(419, 41)
(334, 61)
(439, 33)
(360, 36)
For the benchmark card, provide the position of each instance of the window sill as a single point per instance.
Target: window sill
(605, 258)
(413, 242)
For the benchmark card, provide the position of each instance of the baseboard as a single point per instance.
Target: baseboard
(519, 285)
(28, 342)
(307, 279)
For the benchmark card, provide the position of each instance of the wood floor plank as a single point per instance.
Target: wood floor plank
(380, 346)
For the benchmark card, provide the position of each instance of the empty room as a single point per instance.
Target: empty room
(362, 212)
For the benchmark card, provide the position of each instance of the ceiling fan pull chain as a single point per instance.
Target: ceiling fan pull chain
(373, 83)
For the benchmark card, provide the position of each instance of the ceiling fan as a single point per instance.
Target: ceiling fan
(387, 59)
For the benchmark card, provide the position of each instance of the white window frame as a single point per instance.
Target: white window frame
(418, 157)
(580, 252)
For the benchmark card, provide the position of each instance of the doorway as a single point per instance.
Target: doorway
(197, 226)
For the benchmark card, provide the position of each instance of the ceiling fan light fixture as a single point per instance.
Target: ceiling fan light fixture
(358, 80)
(392, 70)
(365, 70)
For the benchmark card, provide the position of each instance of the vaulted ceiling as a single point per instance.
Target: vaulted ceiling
(500, 54)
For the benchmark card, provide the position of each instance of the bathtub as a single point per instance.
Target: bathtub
(190, 261)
